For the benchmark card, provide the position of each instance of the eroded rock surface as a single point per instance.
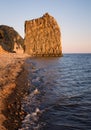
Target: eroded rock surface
(43, 37)
(10, 40)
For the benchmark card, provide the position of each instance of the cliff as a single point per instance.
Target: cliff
(43, 37)
(10, 40)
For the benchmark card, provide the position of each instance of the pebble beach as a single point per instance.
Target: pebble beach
(13, 87)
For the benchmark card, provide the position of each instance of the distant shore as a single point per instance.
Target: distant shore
(13, 87)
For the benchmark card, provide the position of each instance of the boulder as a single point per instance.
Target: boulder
(43, 37)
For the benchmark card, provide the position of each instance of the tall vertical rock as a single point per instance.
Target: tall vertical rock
(43, 37)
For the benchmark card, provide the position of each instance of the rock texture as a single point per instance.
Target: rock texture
(10, 40)
(2, 51)
(43, 37)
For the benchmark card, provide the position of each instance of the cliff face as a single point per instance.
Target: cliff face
(43, 37)
(10, 40)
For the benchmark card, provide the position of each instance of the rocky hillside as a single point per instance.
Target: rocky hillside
(43, 37)
(10, 40)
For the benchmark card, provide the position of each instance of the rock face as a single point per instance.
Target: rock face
(2, 51)
(10, 40)
(43, 37)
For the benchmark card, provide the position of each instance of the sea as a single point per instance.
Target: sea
(59, 96)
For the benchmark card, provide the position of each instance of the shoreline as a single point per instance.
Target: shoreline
(13, 87)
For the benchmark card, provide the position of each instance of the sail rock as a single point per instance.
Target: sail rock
(43, 37)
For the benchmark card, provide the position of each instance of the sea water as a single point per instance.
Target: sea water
(60, 93)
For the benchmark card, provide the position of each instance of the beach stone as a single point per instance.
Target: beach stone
(43, 37)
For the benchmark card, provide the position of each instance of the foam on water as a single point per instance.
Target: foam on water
(60, 93)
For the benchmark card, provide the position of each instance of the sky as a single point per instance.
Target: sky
(73, 17)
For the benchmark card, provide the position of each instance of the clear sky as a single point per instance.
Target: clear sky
(73, 17)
